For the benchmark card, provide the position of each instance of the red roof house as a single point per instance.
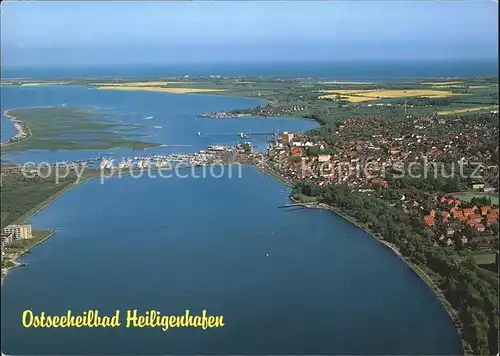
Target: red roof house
(429, 220)
(485, 210)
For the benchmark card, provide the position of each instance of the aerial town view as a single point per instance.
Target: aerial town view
(252, 177)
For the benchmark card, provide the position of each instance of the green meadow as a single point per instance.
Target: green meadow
(61, 128)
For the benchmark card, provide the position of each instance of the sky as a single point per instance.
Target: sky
(104, 32)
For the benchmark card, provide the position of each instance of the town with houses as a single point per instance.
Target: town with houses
(364, 153)
(337, 166)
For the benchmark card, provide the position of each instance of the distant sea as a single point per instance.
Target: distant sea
(360, 70)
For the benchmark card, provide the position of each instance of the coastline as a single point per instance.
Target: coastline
(271, 173)
(24, 218)
(35, 210)
(18, 255)
(421, 274)
(265, 170)
(218, 94)
(23, 130)
(417, 270)
(50, 200)
(208, 93)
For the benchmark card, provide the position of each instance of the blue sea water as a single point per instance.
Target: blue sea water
(186, 243)
(175, 116)
(378, 70)
(358, 70)
(8, 130)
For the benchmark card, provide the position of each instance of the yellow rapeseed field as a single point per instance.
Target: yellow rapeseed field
(352, 99)
(348, 91)
(412, 92)
(159, 89)
(465, 110)
(365, 95)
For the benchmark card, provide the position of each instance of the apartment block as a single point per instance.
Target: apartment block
(19, 231)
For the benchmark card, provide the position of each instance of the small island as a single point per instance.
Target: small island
(66, 128)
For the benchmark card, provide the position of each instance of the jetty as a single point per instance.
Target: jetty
(305, 205)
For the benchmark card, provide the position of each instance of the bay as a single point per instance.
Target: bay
(172, 244)
(186, 243)
(172, 119)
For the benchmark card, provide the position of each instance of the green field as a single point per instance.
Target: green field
(20, 194)
(61, 128)
(467, 197)
(446, 97)
(21, 245)
(485, 258)
(462, 95)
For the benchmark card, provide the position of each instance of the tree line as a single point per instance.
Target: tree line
(474, 298)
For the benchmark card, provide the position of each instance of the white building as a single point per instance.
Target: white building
(19, 231)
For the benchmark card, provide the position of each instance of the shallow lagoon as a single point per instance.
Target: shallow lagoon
(175, 117)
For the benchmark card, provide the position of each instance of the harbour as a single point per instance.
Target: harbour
(187, 247)
(182, 178)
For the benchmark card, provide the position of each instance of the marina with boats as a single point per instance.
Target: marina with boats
(213, 154)
(222, 115)
(216, 154)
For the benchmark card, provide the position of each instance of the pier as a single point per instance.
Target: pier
(274, 133)
(291, 205)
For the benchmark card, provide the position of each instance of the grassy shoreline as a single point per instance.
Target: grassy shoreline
(24, 218)
(16, 255)
(39, 207)
(47, 127)
(18, 124)
(42, 205)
